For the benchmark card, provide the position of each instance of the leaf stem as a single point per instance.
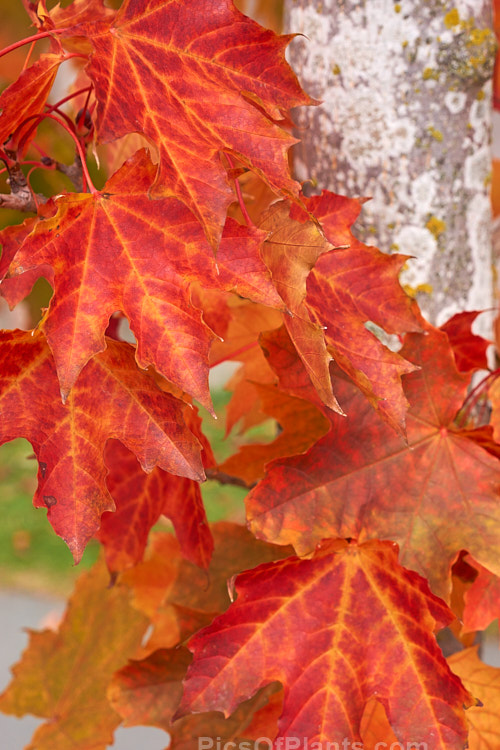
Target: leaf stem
(28, 56)
(80, 150)
(29, 39)
(239, 195)
(236, 353)
(51, 107)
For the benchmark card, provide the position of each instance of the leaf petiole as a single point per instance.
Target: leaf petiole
(80, 150)
(239, 195)
(29, 40)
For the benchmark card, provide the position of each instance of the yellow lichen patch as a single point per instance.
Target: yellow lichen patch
(452, 18)
(437, 134)
(436, 226)
(412, 291)
(336, 69)
(481, 45)
(480, 95)
(429, 73)
(397, 8)
(479, 36)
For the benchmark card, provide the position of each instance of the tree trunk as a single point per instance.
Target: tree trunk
(406, 120)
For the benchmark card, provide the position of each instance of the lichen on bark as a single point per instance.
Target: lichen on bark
(405, 119)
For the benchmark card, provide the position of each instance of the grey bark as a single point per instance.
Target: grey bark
(406, 120)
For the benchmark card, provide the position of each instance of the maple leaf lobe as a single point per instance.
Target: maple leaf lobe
(348, 635)
(201, 93)
(69, 440)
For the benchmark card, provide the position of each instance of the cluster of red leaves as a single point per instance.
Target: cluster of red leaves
(208, 247)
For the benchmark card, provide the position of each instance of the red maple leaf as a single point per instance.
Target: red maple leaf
(112, 399)
(469, 349)
(201, 93)
(24, 99)
(361, 285)
(119, 250)
(330, 632)
(140, 500)
(434, 495)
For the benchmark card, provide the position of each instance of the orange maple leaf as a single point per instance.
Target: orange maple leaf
(301, 423)
(119, 250)
(58, 17)
(335, 630)
(481, 599)
(63, 676)
(200, 93)
(293, 246)
(483, 681)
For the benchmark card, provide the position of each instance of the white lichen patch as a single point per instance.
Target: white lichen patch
(423, 192)
(478, 222)
(466, 7)
(421, 244)
(480, 119)
(455, 101)
(477, 169)
(368, 130)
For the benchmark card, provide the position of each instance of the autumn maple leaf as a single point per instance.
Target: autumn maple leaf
(69, 440)
(334, 286)
(483, 681)
(63, 676)
(140, 500)
(119, 250)
(293, 246)
(289, 412)
(335, 630)
(178, 596)
(209, 81)
(79, 11)
(148, 692)
(469, 348)
(434, 495)
(361, 286)
(23, 101)
(482, 599)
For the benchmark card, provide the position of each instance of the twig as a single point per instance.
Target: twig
(222, 478)
(21, 202)
(73, 171)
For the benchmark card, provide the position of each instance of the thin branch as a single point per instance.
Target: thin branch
(67, 98)
(222, 478)
(73, 171)
(19, 202)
